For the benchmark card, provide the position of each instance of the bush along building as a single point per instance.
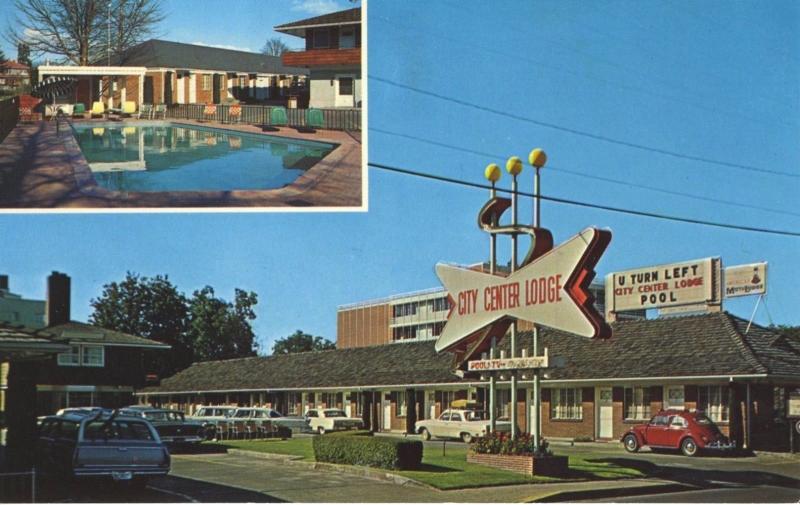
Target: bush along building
(712, 362)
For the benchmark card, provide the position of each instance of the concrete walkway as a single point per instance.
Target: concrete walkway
(42, 170)
(291, 482)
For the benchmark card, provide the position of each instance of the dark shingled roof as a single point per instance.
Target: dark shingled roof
(76, 332)
(689, 346)
(348, 16)
(162, 53)
(19, 341)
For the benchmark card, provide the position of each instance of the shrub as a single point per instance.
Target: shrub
(583, 438)
(503, 443)
(380, 452)
(349, 433)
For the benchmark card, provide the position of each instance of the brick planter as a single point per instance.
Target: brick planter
(528, 465)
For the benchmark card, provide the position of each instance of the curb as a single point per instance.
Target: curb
(618, 492)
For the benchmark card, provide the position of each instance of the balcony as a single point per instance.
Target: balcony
(322, 57)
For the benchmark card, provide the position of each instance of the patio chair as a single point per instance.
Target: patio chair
(315, 119)
(79, 110)
(235, 114)
(222, 430)
(237, 428)
(265, 428)
(208, 112)
(160, 108)
(128, 109)
(98, 109)
(146, 110)
(251, 429)
(277, 117)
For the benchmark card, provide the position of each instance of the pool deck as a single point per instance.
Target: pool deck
(42, 170)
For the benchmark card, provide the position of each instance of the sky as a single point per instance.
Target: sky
(586, 81)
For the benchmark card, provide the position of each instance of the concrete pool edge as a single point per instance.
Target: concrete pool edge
(335, 181)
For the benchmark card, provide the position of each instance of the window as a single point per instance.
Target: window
(660, 421)
(778, 403)
(359, 397)
(455, 417)
(566, 403)
(321, 38)
(637, 403)
(206, 82)
(311, 413)
(713, 400)
(441, 304)
(346, 86)
(292, 400)
(329, 399)
(71, 358)
(503, 404)
(402, 406)
(92, 355)
(679, 422)
(673, 397)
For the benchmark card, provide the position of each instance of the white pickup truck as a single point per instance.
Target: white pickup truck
(324, 420)
(465, 424)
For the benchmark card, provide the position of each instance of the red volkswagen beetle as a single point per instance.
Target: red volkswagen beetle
(689, 432)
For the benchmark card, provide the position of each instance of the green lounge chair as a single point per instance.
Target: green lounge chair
(315, 119)
(145, 111)
(160, 108)
(277, 117)
(79, 110)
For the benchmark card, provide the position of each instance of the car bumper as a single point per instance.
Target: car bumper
(720, 445)
(108, 472)
(182, 440)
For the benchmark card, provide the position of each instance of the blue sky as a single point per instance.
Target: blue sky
(715, 80)
(232, 24)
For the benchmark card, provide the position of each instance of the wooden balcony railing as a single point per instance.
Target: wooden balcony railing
(322, 57)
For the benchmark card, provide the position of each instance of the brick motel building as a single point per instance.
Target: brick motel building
(711, 362)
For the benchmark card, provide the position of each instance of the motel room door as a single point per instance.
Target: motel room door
(345, 91)
(387, 410)
(605, 413)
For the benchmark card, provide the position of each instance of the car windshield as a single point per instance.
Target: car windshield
(475, 415)
(117, 430)
(335, 413)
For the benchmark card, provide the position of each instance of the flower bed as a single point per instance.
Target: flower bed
(500, 450)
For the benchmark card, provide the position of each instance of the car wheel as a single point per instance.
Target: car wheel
(689, 447)
(426, 435)
(321, 430)
(466, 438)
(631, 443)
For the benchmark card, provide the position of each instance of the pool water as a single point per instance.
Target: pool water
(167, 157)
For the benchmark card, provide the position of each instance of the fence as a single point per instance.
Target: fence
(9, 115)
(334, 119)
(18, 486)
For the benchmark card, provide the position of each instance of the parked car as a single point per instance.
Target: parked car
(209, 416)
(465, 424)
(172, 426)
(264, 413)
(122, 447)
(687, 431)
(324, 420)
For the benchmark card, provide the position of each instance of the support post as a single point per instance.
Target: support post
(537, 388)
(514, 166)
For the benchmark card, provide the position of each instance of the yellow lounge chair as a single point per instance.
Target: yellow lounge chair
(98, 109)
(128, 109)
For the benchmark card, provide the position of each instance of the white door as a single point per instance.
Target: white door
(605, 415)
(181, 90)
(192, 88)
(346, 399)
(345, 90)
(430, 400)
(532, 417)
(387, 410)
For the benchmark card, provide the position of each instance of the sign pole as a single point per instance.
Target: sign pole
(492, 173)
(537, 158)
(514, 167)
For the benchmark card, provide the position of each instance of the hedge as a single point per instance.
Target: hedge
(380, 452)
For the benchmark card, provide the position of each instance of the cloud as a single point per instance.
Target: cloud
(223, 46)
(315, 7)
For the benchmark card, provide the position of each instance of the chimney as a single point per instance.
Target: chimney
(3, 283)
(57, 308)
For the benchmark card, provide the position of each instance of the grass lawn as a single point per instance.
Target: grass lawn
(452, 471)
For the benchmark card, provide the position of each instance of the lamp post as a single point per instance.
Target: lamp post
(537, 158)
(514, 167)
(492, 174)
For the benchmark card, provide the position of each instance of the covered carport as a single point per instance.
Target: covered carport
(97, 84)
(22, 350)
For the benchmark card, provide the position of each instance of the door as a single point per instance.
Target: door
(192, 88)
(345, 91)
(148, 89)
(181, 89)
(605, 414)
(217, 87)
(168, 88)
(387, 410)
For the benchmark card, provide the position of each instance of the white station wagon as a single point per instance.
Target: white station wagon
(324, 420)
(465, 424)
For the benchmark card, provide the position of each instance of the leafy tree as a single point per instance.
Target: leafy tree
(78, 30)
(24, 54)
(219, 329)
(151, 308)
(301, 342)
(274, 47)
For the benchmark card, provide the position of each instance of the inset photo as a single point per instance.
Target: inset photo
(182, 105)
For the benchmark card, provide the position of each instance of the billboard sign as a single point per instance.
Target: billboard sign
(551, 290)
(686, 283)
(494, 365)
(743, 280)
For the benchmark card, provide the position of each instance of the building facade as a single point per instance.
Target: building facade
(710, 362)
(16, 310)
(333, 56)
(14, 75)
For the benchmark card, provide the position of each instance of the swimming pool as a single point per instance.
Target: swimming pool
(155, 157)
